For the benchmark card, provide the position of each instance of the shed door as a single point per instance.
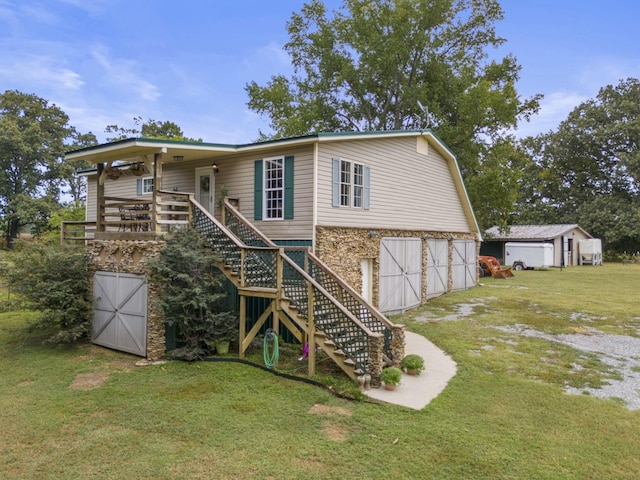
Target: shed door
(400, 273)
(437, 267)
(120, 312)
(464, 264)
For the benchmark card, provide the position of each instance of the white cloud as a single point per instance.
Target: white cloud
(40, 14)
(90, 6)
(270, 58)
(123, 73)
(39, 70)
(554, 108)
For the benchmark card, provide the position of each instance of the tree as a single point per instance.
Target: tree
(32, 145)
(149, 129)
(52, 280)
(192, 294)
(68, 172)
(588, 171)
(374, 64)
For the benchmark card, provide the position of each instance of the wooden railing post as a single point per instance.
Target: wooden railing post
(100, 199)
(190, 208)
(63, 233)
(242, 265)
(280, 272)
(157, 186)
(243, 325)
(311, 335)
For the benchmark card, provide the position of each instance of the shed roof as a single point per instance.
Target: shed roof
(533, 232)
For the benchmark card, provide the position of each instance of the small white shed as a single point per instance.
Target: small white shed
(590, 251)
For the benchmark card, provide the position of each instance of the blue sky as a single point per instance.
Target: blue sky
(106, 61)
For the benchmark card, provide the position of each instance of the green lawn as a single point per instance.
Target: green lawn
(91, 413)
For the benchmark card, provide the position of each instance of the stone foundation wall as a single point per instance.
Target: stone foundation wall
(127, 256)
(344, 248)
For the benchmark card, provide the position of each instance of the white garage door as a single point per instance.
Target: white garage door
(437, 267)
(464, 264)
(120, 312)
(400, 273)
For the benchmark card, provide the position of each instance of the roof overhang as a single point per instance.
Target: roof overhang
(144, 149)
(134, 149)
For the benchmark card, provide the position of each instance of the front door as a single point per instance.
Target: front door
(205, 188)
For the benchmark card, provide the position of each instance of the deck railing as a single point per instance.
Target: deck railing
(77, 231)
(132, 218)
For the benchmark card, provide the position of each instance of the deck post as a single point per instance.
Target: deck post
(243, 325)
(100, 200)
(311, 337)
(157, 186)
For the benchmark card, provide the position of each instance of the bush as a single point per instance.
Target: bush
(192, 294)
(52, 280)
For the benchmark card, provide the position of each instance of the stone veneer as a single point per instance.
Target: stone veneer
(344, 248)
(128, 256)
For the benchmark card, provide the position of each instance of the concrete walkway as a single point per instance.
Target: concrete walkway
(417, 391)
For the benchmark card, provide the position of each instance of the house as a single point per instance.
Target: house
(385, 212)
(565, 239)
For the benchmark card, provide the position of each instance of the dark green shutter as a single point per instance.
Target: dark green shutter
(288, 187)
(257, 190)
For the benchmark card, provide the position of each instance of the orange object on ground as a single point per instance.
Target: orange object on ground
(491, 266)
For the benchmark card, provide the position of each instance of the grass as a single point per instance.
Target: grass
(504, 415)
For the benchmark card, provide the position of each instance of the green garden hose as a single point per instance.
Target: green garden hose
(270, 360)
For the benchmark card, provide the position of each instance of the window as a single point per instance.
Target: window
(350, 184)
(345, 183)
(273, 188)
(144, 186)
(358, 184)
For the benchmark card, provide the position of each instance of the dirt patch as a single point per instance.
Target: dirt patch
(334, 432)
(331, 429)
(319, 409)
(88, 381)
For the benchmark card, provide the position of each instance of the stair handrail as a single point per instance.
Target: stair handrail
(364, 302)
(238, 244)
(235, 213)
(349, 317)
(228, 207)
(324, 292)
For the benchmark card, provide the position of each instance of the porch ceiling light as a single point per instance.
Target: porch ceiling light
(214, 167)
(178, 158)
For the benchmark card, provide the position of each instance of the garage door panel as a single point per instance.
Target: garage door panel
(437, 267)
(464, 264)
(400, 273)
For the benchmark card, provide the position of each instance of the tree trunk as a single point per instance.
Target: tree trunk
(13, 226)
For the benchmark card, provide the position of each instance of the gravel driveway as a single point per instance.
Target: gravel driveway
(620, 352)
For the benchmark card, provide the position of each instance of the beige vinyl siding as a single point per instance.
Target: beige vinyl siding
(240, 185)
(236, 173)
(409, 190)
(90, 212)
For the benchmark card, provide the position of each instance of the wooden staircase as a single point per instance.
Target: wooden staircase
(313, 303)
